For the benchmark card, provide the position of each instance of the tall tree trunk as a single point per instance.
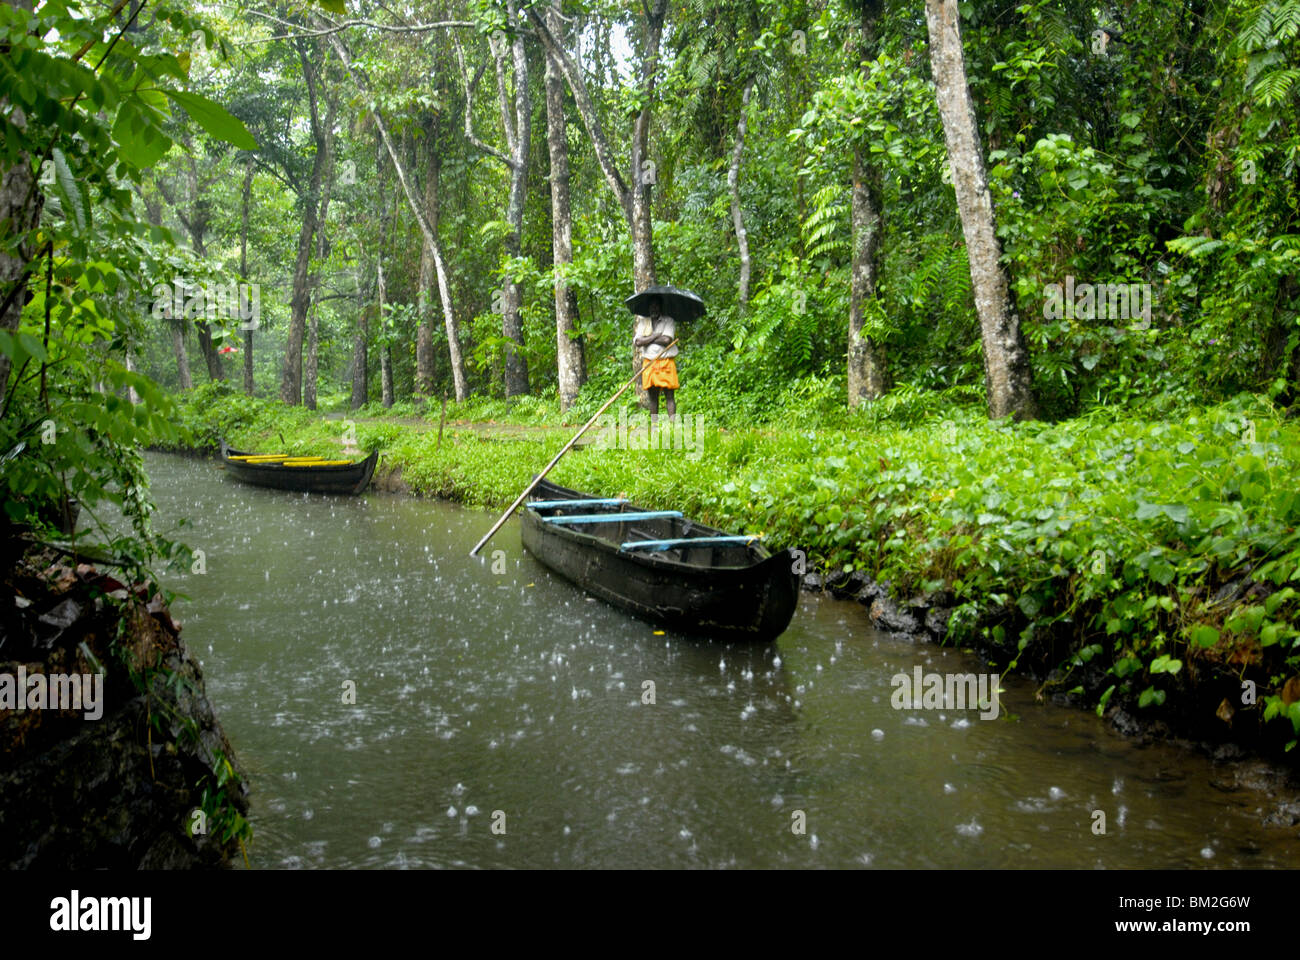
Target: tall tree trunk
(131, 395)
(587, 111)
(438, 277)
(360, 359)
(385, 351)
(182, 358)
(424, 292)
(360, 381)
(1007, 375)
(867, 373)
(243, 272)
(386, 373)
(211, 358)
(570, 360)
(737, 213)
(313, 360)
(322, 220)
(310, 373)
(291, 371)
(430, 235)
(868, 378)
(21, 200)
(518, 136)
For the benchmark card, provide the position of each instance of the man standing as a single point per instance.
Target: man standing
(654, 333)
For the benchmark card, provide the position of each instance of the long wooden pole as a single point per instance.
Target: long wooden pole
(556, 459)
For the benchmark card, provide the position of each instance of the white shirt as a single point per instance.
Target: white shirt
(665, 325)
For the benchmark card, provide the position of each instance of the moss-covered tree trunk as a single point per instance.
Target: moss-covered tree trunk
(571, 368)
(1007, 374)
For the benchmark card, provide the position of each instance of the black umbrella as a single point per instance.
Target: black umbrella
(673, 302)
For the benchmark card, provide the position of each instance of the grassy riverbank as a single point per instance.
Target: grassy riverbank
(1142, 563)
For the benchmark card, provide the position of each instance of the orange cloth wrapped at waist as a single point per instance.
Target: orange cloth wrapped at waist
(660, 373)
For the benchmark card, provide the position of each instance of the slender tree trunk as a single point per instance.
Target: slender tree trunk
(430, 235)
(737, 213)
(21, 200)
(291, 371)
(360, 358)
(313, 360)
(424, 293)
(385, 351)
(322, 219)
(570, 360)
(360, 381)
(130, 365)
(182, 358)
(20, 204)
(587, 111)
(1007, 373)
(518, 136)
(867, 374)
(243, 273)
(381, 292)
(460, 383)
(424, 332)
(210, 356)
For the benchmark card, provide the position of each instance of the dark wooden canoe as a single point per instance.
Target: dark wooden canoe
(345, 478)
(662, 566)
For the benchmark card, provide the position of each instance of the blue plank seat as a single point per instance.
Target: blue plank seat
(550, 504)
(614, 517)
(684, 542)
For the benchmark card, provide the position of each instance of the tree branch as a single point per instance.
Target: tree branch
(339, 27)
(469, 108)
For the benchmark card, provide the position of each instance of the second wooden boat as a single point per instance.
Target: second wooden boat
(300, 474)
(662, 566)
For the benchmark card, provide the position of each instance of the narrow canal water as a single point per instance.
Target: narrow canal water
(511, 698)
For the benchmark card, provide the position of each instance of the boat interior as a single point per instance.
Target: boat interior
(663, 533)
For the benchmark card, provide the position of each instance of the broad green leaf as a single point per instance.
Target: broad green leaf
(1151, 695)
(215, 119)
(32, 346)
(69, 192)
(1161, 571)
